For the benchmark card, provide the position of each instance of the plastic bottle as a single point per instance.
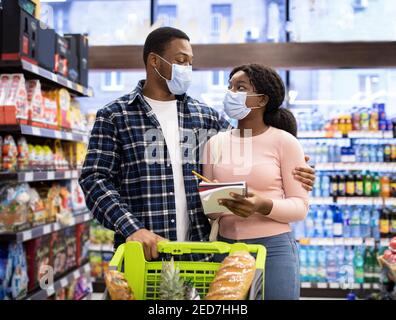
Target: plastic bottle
(331, 267)
(376, 186)
(312, 264)
(321, 270)
(355, 222)
(309, 223)
(358, 266)
(369, 265)
(393, 185)
(365, 153)
(385, 187)
(377, 268)
(325, 192)
(374, 119)
(334, 185)
(303, 264)
(359, 189)
(380, 153)
(338, 222)
(341, 186)
(393, 222)
(365, 222)
(319, 223)
(350, 185)
(393, 153)
(372, 153)
(367, 184)
(364, 120)
(346, 230)
(385, 222)
(316, 192)
(387, 153)
(328, 223)
(375, 220)
(324, 153)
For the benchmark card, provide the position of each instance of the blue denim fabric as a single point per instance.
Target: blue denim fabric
(282, 269)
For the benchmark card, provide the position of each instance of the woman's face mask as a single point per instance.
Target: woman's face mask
(180, 80)
(235, 104)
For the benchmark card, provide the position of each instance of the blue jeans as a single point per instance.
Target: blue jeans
(282, 274)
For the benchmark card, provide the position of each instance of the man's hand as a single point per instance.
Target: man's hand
(149, 241)
(306, 175)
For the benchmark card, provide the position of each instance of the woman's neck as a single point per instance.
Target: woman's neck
(257, 126)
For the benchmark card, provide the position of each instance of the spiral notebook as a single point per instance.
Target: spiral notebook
(211, 192)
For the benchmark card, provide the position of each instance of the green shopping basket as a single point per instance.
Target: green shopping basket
(144, 277)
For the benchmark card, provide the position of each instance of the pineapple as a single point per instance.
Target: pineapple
(171, 286)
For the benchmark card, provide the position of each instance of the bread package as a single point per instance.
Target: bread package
(234, 278)
(118, 286)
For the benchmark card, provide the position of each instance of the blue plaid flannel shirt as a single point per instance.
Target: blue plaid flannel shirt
(125, 192)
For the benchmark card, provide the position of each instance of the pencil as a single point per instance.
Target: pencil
(201, 177)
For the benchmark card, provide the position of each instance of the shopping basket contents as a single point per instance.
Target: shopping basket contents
(234, 278)
(117, 286)
(388, 260)
(149, 280)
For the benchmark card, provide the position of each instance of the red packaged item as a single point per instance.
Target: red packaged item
(38, 260)
(58, 253)
(13, 100)
(50, 108)
(82, 236)
(71, 249)
(35, 102)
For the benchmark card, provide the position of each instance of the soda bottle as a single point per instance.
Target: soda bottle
(356, 121)
(334, 185)
(350, 185)
(385, 187)
(359, 190)
(380, 153)
(338, 222)
(393, 185)
(325, 186)
(372, 153)
(365, 153)
(384, 222)
(393, 153)
(374, 120)
(376, 186)
(377, 267)
(368, 265)
(348, 124)
(341, 186)
(393, 221)
(375, 221)
(387, 153)
(365, 222)
(358, 265)
(364, 120)
(367, 184)
(355, 222)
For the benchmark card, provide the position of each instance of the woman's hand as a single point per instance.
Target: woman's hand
(245, 207)
(306, 175)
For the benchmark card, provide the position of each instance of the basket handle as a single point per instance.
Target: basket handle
(179, 248)
(118, 259)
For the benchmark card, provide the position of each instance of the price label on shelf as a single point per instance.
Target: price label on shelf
(338, 241)
(366, 286)
(58, 134)
(357, 286)
(35, 69)
(36, 131)
(54, 77)
(69, 84)
(376, 286)
(322, 285)
(384, 242)
(76, 274)
(74, 174)
(388, 134)
(28, 176)
(306, 285)
(26, 235)
(64, 282)
(80, 88)
(51, 175)
(348, 241)
(67, 174)
(69, 136)
(334, 285)
(50, 291)
(47, 229)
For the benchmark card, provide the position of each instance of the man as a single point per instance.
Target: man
(143, 200)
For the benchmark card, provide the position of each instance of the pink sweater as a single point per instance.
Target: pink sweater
(266, 165)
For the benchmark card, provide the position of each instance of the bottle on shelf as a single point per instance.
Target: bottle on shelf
(329, 223)
(304, 277)
(350, 185)
(359, 189)
(312, 264)
(367, 184)
(368, 265)
(331, 264)
(375, 221)
(321, 271)
(334, 185)
(393, 185)
(365, 222)
(355, 222)
(376, 185)
(384, 222)
(385, 187)
(346, 230)
(338, 222)
(341, 186)
(387, 153)
(358, 264)
(392, 225)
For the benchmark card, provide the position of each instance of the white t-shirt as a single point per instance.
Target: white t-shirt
(166, 113)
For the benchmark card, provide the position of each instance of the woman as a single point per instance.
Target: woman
(275, 197)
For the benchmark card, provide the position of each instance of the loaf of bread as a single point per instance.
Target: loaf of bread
(234, 278)
(118, 286)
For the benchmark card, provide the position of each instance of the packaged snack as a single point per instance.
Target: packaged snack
(80, 154)
(70, 290)
(82, 288)
(37, 210)
(1, 153)
(58, 253)
(14, 211)
(118, 286)
(14, 107)
(60, 294)
(95, 259)
(40, 157)
(35, 102)
(71, 247)
(78, 121)
(10, 154)
(82, 237)
(59, 157)
(50, 108)
(63, 100)
(65, 215)
(32, 156)
(19, 279)
(106, 258)
(48, 158)
(53, 203)
(23, 154)
(38, 258)
(77, 196)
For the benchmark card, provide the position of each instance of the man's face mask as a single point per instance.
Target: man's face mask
(181, 78)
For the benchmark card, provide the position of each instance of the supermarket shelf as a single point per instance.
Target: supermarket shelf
(352, 201)
(61, 283)
(384, 242)
(45, 133)
(48, 77)
(101, 247)
(42, 230)
(31, 176)
(334, 290)
(350, 135)
(358, 166)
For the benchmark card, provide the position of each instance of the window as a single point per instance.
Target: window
(112, 81)
(220, 78)
(166, 15)
(220, 18)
